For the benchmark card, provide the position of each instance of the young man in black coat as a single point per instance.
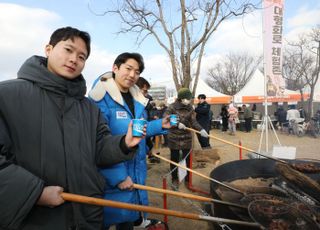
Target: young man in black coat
(204, 119)
(52, 139)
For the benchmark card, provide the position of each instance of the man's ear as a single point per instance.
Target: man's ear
(114, 68)
(48, 49)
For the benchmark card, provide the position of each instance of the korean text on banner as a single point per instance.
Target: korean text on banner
(272, 38)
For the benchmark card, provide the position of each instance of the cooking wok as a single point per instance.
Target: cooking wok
(243, 169)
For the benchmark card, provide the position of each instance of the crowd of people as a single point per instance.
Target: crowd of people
(297, 122)
(60, 140)
(284, 117)
(230, 118)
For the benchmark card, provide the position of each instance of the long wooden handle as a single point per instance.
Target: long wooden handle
(185, 195)
(102, 202)
(239, 146)
(199, 174)
(170, 192)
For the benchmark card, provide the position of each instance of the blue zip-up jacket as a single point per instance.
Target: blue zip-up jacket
(108, 97)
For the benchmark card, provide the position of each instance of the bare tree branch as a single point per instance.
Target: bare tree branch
(175, 32)
(231, 73)
(301, 64)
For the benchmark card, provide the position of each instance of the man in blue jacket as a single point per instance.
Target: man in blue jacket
(120, 100)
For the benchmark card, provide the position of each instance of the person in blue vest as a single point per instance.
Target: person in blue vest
(120, 100)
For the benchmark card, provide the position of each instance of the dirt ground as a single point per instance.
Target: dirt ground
(205, 161)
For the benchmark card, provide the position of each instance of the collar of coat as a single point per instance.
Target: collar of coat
(106, 84)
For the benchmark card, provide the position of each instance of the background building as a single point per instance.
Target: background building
(158, 93)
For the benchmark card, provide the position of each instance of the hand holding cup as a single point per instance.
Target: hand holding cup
(133, 138)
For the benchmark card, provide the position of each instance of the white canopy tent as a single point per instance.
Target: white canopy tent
(213, 96)
(253, 92)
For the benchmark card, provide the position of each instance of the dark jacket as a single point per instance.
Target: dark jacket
(158, 112)
(224, 113)
(179, 138)
(50, 134)
(281, 115)
(247, 113)
(203, 115)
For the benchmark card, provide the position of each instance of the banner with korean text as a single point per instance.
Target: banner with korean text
(272, 39)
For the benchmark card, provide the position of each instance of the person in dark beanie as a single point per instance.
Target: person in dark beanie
(203, 118)
(185, 94)
(180, 139)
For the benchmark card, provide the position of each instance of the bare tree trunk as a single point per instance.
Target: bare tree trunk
(176, 37)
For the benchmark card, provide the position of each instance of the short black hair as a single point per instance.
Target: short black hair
(202, 96)
(142, 82)
(122, 58)
(65, 33)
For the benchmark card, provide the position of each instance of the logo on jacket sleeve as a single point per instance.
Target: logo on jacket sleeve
(122, 115)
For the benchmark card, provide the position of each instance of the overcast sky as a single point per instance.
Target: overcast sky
(26, 26)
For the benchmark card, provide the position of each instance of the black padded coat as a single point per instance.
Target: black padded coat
(51, 134)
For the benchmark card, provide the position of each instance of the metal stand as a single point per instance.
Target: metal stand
(265, 126)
